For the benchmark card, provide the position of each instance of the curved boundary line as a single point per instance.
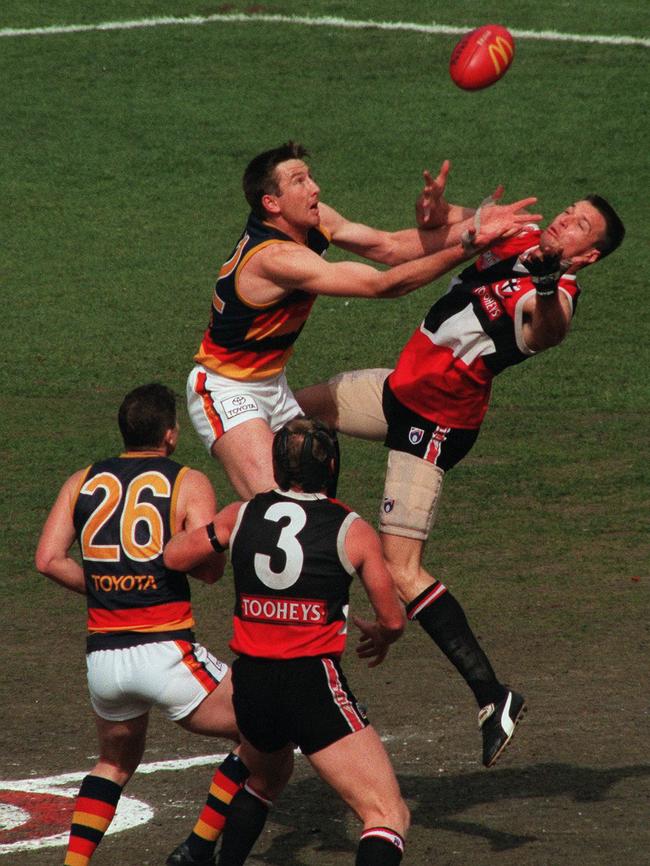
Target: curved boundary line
(305, 21)
(153, 767)
(132, 814)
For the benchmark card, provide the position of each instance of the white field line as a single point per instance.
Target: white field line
(131, 813)
(305, 21)
(32, 784)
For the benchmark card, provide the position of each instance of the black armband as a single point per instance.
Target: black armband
(214, 541)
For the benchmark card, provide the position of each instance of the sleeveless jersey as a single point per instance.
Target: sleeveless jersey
(123, 516)
(246, 341)
(292, 575)
(471, 334)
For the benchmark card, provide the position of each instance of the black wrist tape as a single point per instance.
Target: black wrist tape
(546, 285)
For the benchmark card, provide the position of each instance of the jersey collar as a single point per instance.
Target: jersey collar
(299, 494)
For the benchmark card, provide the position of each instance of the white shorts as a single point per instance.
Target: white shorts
(174, 676)
(216, 404)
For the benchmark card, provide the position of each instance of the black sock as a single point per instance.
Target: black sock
(246, 818)
(380, 846)
(443, 619)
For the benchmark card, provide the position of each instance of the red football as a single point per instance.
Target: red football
(482, 57)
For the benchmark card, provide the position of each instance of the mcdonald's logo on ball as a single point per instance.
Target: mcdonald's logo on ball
(482, 57)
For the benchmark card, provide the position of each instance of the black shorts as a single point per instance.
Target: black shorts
(304, 701)
(412, 433)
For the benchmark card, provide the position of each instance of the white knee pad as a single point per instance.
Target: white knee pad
(411, 495)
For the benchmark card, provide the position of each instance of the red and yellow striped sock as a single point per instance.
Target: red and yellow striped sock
(226, 782)
(94, 810)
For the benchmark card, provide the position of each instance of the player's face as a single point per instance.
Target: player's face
(297, 200)
(575, 232)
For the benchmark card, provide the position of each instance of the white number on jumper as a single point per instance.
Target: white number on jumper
(288, 543)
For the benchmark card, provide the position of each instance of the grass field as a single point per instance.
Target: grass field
(122, 156)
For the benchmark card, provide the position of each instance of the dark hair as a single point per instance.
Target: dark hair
(614, 228)
(259, 178)
(306, 454)
(146, 414)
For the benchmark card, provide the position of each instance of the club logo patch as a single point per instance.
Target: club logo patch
(416, 434)
(234, 406)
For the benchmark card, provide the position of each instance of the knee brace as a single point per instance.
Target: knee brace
(411, 493)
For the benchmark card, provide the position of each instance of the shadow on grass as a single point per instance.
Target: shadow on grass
(318, 822)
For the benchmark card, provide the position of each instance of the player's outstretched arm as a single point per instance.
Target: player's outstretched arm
(189, 549)
(488, 223)
(475, 228)
(435, 218)
(53, 551)
(547, 315)
(282, 268)
(196, 505)
(290, 267)
(494, 222)
(432, 209)
(363, 548)
(384, 247)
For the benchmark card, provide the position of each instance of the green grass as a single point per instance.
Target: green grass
(627, 17)
(122, 158)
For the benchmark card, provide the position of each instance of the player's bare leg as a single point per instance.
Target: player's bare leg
(358, 768)
(411, 494)
(215, 715)
(404, 558)
(245, 453)
(429, 602)
(269, 771)
(121, 746)
(371, 791)
(316, 401)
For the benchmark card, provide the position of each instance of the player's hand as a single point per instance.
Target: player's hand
(496, 196)
(545, 269)
(501, 221)
(543, 264)
(431, 208)
(492, 199)
(373, 643)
